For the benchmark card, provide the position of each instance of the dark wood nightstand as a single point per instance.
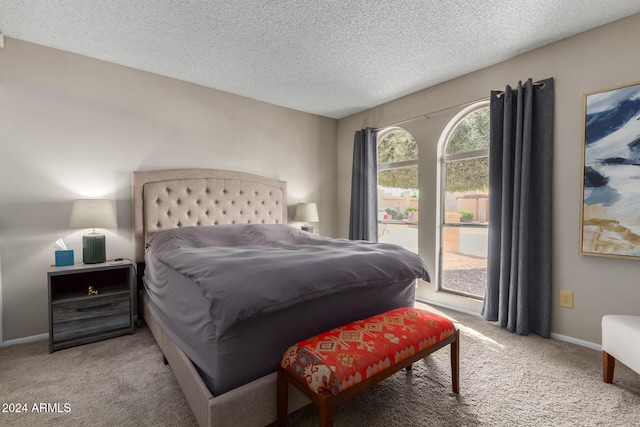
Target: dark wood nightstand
(80, 315)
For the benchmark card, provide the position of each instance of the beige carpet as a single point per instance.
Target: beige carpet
(117, 382)
(506, 380)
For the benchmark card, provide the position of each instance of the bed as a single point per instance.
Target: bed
(223, 349)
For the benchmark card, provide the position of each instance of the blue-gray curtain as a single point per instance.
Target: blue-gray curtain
(518, 294)
(363, 218)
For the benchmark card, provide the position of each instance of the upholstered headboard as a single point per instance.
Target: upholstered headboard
(174, 198)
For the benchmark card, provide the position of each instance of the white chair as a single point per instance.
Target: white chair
(620, 341)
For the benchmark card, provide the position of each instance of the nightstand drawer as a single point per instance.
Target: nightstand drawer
(90, 316)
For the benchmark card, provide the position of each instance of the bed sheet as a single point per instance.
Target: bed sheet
(232, 353)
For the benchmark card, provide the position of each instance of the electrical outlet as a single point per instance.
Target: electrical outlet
(566, 299)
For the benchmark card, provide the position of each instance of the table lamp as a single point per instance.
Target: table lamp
(93, 213)
(307, 212)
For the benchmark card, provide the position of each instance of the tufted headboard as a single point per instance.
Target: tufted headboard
(174, 198)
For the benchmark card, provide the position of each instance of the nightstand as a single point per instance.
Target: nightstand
(89, 302)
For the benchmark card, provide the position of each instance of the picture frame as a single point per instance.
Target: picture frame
(610, 214)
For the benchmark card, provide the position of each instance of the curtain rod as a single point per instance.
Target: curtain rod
(539, 84)
(427, 115)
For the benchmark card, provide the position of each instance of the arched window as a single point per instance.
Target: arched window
(464, 202)
(398, 188)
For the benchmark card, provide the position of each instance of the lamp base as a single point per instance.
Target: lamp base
(93, 248)
(308, 228)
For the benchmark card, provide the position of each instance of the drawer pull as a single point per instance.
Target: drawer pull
(93, 307)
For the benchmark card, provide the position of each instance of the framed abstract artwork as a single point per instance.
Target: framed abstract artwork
(610, 224)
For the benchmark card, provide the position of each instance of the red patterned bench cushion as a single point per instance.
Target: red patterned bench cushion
(345, 356)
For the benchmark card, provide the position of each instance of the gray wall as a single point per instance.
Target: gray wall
(598, 59)
(73, 127)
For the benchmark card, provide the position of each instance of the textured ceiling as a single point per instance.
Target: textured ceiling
(328, 57)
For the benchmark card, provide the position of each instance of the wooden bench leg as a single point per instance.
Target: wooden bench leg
(455, 363)
(608, 366)
(325, 406)
(282, 398)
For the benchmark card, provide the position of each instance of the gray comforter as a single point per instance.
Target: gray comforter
(246, 270)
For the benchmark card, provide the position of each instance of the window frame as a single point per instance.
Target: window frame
(382, 134)
(443, 159)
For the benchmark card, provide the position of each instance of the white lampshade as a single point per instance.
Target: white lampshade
(307, 212)
(93, 213)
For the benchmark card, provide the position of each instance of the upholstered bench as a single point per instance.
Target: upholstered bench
(336, 365)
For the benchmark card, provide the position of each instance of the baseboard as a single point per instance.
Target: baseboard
(554, 336)
(26, 340)
(572, 340)
(448, 307)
